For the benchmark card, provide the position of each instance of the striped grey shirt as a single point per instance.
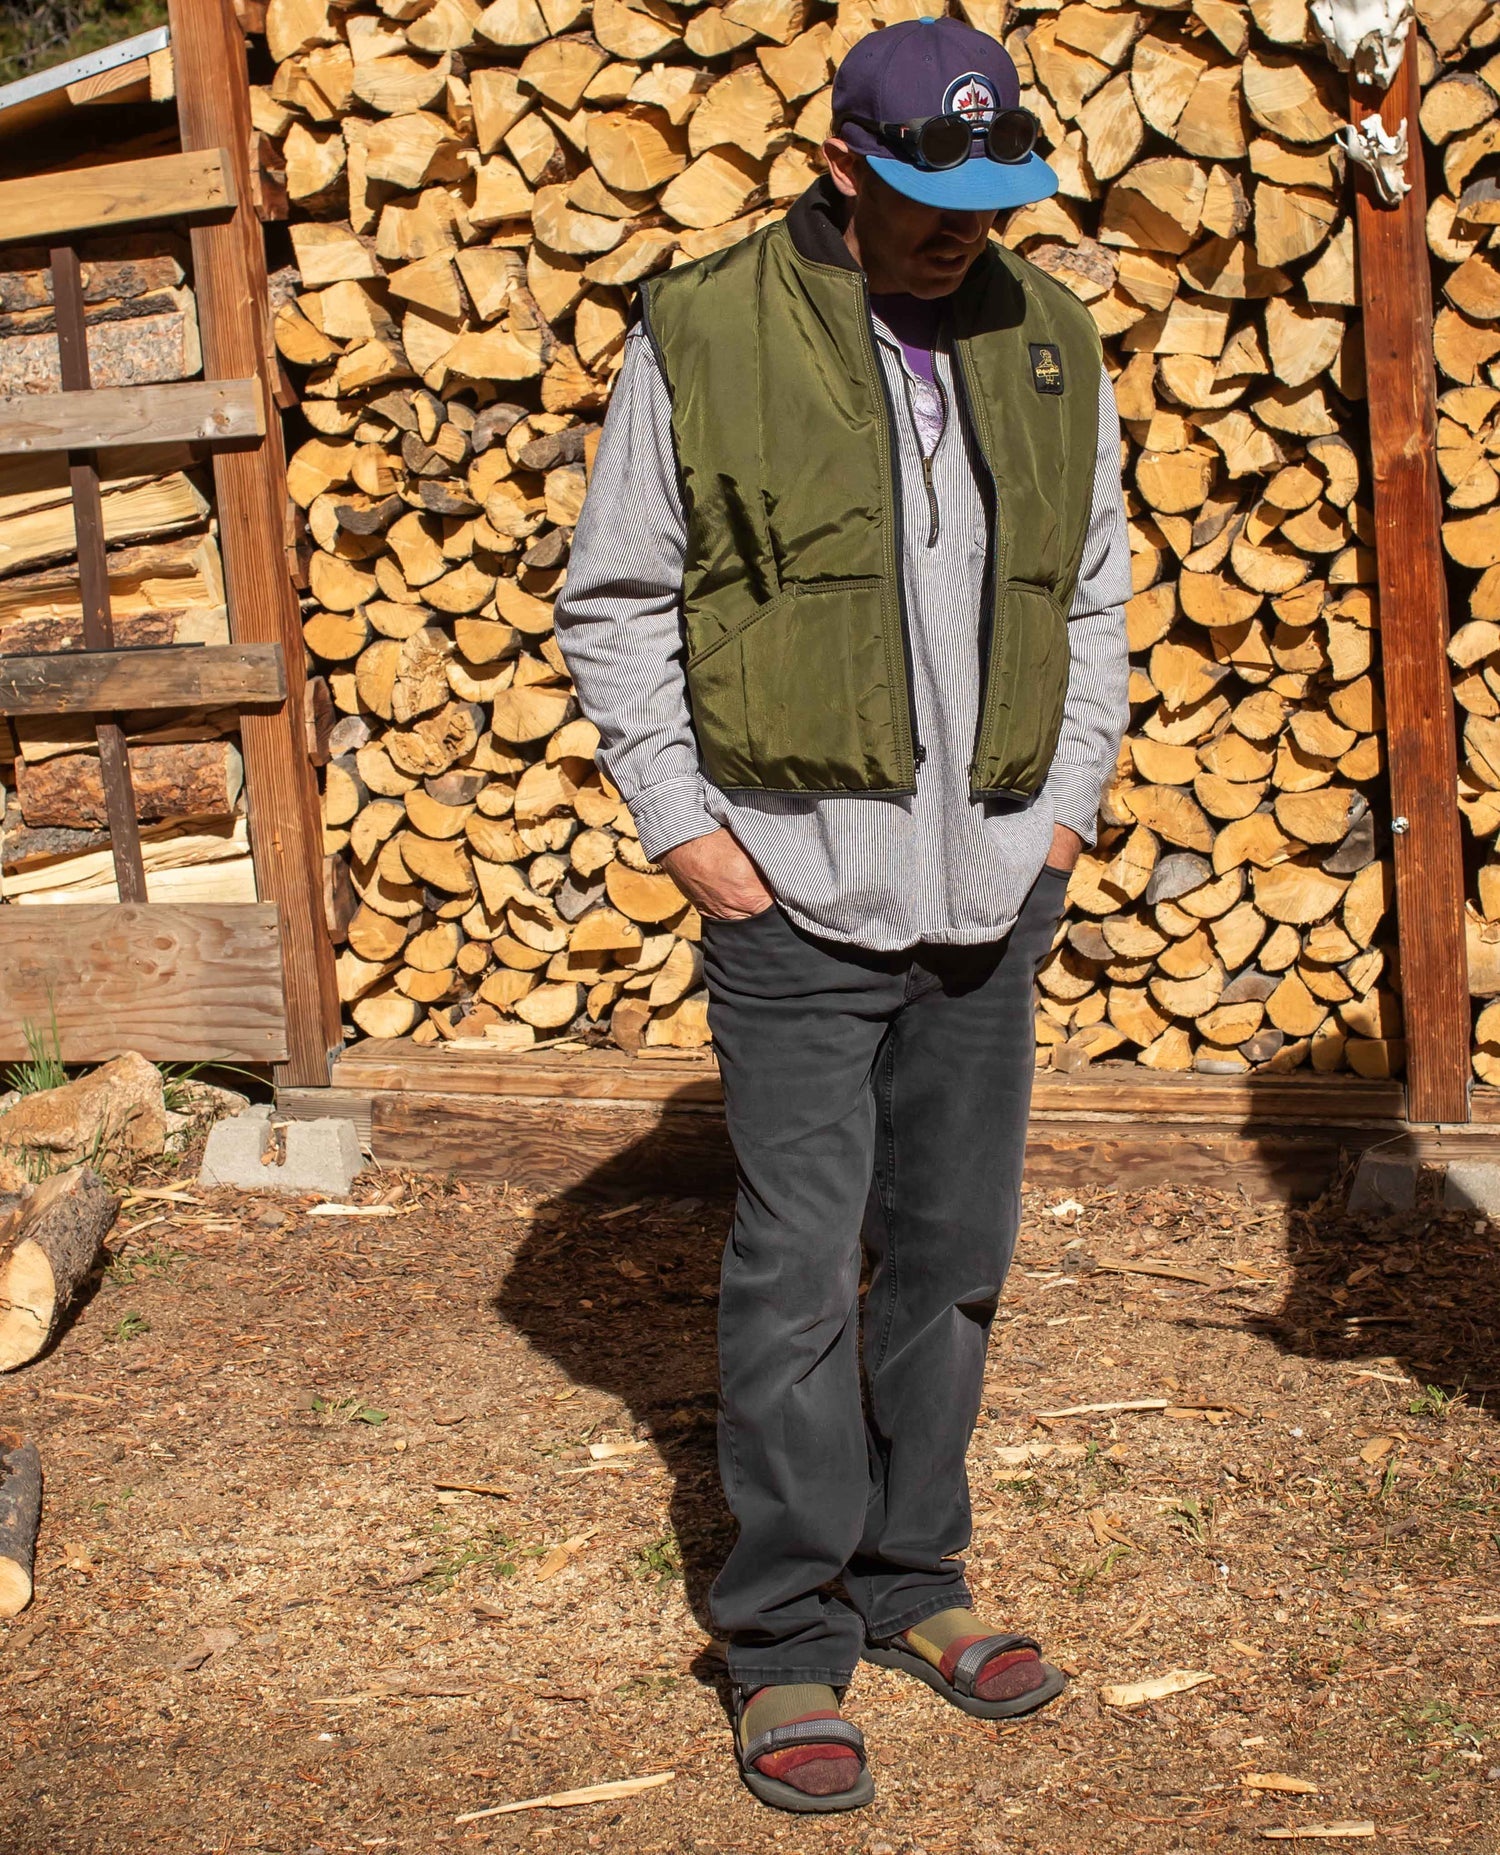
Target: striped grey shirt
(882, 873)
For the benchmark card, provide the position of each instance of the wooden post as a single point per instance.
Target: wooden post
(1396, 288)
(93, 575)
(229, 275)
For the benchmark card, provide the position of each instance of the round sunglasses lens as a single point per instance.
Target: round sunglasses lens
(1012, 135)
(944, 141)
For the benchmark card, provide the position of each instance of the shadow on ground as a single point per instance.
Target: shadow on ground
(624, 1300)
(1418, 1288)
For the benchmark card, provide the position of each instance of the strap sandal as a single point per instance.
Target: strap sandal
(783, 1796)
(958, 1690)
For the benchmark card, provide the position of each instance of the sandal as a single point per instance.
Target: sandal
(783, 1796)
(959, 1691)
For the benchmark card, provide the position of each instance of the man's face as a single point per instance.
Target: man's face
(902, 245)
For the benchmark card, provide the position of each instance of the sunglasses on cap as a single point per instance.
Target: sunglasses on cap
(940, 142)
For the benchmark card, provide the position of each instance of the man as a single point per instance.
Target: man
(845, 602)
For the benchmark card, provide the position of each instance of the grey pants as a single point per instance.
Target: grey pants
(878, 1098)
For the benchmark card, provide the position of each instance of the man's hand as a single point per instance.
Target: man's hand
(1067, 846)
(717, 877)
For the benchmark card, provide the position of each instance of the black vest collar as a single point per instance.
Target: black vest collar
(816, 223)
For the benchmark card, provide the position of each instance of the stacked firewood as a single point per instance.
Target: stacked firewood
(473, 194)
(166, 587)
(1461, 126)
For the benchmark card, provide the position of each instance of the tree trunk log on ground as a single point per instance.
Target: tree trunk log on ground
(20, 1516)
(48, 1247)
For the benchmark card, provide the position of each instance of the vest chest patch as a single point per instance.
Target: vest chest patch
(1046, 367)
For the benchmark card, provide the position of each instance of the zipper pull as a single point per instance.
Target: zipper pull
(932, 502)
(919, 754)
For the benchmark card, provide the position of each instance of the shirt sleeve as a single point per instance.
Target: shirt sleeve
(619, 615)
(1097, 710)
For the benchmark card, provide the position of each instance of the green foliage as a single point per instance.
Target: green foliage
(346, 1410)
(1433, 1402)
(454, 1553)
(160, 1259)
(129, 1327)
(1192, 1519)
(43, 1068)
(659, 1562)
(37, 34)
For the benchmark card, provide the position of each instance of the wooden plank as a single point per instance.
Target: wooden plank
(133, 76)
(163, 677)
(1421, 739)
(177, 984)
(593, 1149)
(583, 1149)
(93, 575)
(191, 185)
(229, 275)
(184, 411)
(1108, 1089)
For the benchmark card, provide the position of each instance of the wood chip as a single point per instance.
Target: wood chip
(1319, 1832)
(1277, 1781)
(1170, 1271)
(565, 1800)
(1480, 1623)
(473, 1487)
(602, 1452)
(1136, 1693)
(1128, 1404)
(358, 1210)
(562, 1555)
(1377, 1447)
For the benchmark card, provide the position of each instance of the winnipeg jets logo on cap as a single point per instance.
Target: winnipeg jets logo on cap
(972, 95)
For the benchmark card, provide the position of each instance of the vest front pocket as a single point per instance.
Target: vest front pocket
(799, 695)
(1026, 689)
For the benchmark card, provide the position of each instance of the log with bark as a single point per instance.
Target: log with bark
(20, 1519)
(49, 1245)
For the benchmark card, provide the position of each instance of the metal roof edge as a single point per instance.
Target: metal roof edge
(92, 64)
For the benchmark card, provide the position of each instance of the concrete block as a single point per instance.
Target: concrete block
(1473, 1185)
(1383, 1184)
(319, 1156)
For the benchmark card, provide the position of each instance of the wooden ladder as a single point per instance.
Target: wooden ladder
(244, 982)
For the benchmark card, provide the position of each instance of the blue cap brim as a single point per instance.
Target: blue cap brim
(979, 185)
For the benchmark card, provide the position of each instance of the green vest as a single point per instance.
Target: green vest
(798, 659)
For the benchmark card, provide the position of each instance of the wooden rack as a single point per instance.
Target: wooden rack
(247, 981)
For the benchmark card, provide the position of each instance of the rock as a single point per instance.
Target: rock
(117, 1109)
(206, 1101)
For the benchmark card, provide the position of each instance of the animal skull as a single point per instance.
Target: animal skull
(1365, 36)
(1374, 147)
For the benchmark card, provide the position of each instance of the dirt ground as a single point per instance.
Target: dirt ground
(268, 1621)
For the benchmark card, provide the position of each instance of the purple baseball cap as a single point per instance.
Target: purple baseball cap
(937, 67)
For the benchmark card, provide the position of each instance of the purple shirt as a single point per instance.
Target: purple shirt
(914, 321)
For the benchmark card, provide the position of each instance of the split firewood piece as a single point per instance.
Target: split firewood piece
(48, 1247)
(20, 1519)
(1285, 95)
(642, 897)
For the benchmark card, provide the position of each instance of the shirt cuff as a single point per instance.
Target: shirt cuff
(1075, 802)
(670, 814)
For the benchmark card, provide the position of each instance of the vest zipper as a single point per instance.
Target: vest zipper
(988, 644)
(893, 451)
